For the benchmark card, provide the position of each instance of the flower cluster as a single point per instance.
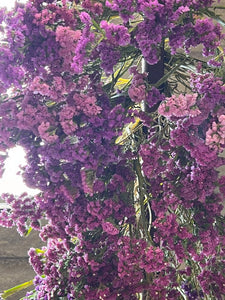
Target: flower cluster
(215, 136)
(122, 217)
(137, 90)
(179, 106)
(67, 39)
(117, 35)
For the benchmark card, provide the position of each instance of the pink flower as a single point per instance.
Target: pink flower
(137, 93)
(45, 132)
(116, 34)
(38, 87)
(67, 39)
(179, 106)
(153, 260)
(69, 127)
(87, 104)
(109, 228)
(215, 136)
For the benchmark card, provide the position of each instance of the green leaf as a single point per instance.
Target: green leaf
(50, 103)
(16, 289)
(40, 251)
(122, 81)
(28, 231)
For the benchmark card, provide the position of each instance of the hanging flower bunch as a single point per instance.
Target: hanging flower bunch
(125, 158)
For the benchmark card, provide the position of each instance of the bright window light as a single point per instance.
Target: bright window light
(11, 182)
(9, 4)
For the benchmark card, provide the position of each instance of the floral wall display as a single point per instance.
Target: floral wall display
(123, 130)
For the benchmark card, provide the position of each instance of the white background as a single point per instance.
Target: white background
(10, 181)
(9, 3)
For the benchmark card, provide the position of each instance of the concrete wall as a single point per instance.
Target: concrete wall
(14, 266)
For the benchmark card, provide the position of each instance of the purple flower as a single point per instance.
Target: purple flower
(116, 34)
(110, 228)
(109, 56)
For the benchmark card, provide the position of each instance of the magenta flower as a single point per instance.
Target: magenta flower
(179, 106)
(110, 228)
(116, 34)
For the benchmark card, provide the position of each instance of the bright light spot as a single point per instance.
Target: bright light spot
(11, 182)
(9, 4)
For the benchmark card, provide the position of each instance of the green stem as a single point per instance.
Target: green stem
(166, 76)
(16, 289)
(137, 166)
(96, 25)
(219, 7)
